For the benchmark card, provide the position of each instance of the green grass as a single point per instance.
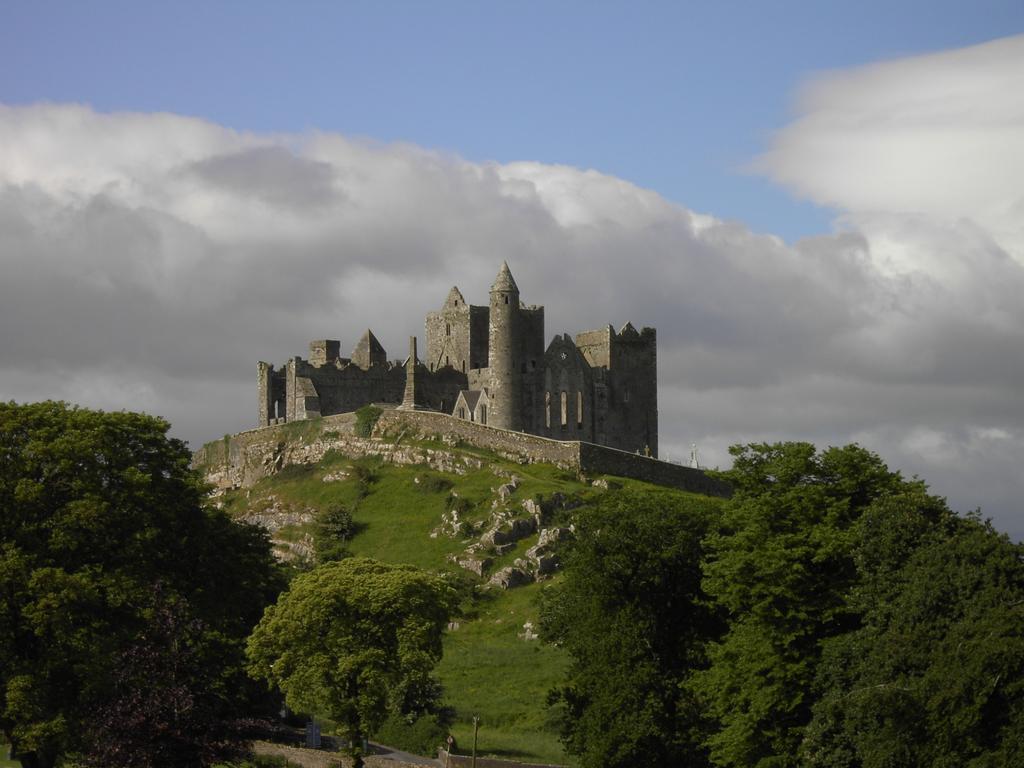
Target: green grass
(487, 670)
(4, 762)
(491, 673)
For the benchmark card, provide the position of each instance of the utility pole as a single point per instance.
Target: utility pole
(476, 729)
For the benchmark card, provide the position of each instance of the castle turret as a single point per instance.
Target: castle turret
(504, 345)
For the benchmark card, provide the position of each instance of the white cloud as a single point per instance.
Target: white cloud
(150, 260)
(938, 135)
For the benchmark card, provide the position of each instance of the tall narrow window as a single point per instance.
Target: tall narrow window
(483, 414)
(579, 410)
(547, 410)
(506, 299)
(565, 409)
(447, 329)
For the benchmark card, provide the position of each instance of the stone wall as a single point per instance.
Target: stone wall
(599, 459)
(517, 446)
(240, 461)
(465, 761)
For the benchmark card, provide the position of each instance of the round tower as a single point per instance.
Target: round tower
(505, 394)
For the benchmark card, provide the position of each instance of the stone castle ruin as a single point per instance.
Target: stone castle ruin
(489, 365)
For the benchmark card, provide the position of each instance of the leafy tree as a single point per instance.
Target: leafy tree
(353, 639)
(333, 530)
(781, 566)
(161, 709)
(95, 509)
(631, 613)
(935, 674)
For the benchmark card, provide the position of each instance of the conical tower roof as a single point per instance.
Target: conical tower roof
(504, 281)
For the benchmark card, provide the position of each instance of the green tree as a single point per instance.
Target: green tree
(334, 527)
(935, 673)
(781, 565)
(95, 509)
(631, 613)
(353, 639)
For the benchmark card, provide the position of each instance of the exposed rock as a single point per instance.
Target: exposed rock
(604, 482)
(475, 564)
(510, 576)
(528, 632)
(508, 531)
(532, 508)
(452, 525)
(277, 515)
(334, 477)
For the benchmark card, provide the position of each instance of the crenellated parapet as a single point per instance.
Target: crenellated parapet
(488, 364)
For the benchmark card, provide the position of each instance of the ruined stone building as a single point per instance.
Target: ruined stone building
(487, 364)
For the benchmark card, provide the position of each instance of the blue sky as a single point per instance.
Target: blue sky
(187, 188)
(677, 97)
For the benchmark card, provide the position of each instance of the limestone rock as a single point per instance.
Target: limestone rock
(528, 632)
(508, 532)
(509, 577)
(477, 565)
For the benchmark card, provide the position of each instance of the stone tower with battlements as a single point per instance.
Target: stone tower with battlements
(488, 364)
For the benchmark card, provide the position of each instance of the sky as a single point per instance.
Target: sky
(818, 205)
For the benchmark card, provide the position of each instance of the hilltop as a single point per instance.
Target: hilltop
(492, 508)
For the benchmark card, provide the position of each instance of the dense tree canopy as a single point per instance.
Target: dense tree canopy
(934, 674)
(832, 614)
(631, 613)
(96, 510)
(353, 639)
(781, 564)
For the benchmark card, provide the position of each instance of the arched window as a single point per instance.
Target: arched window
(483, 414)
(565, 409)
(579, 410)
(547, 410)
(506, 299)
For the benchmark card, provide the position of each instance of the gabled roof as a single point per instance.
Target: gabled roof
(368, 350)
(471, 397)
(454, 298)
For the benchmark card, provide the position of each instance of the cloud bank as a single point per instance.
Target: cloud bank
(149, 260)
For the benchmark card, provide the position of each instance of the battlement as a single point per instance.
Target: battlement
(599, 386)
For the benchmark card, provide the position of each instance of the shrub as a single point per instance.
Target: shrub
(433, 484)
(420, 735)
(366, 419)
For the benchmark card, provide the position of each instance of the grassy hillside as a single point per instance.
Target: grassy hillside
(488, 669)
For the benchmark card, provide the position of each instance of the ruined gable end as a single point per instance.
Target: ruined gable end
(368, 352)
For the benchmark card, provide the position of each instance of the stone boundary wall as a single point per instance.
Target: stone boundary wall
(599, 459)
(465, 761)
(241, 460)
(571, 455)
(509, 444)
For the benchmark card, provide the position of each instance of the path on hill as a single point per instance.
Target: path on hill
(388, 753)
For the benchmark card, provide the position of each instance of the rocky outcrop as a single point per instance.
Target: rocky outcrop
(244, 459)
